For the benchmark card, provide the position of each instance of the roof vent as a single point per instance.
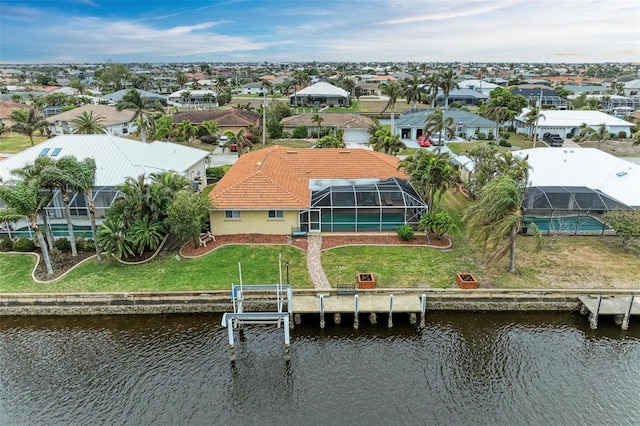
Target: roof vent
(259, 163)
(345, 152)
(620, 174)
(292, 152)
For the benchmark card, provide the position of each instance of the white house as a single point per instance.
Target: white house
(480, 86)
(253, 88)
(567, 123)
(195, 98)
(320, 94)
(116, 159)
(117, 123)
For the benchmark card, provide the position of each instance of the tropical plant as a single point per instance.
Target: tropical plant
(439, 223)
(435, 123)
(27, 121)
(498, 110)
(80, 86)
(146, 233)
(393, 90)
(330, 141)
(384, 141)
(531, 120)
(496, 218)
(134, 101)
(187, 215)
(27, 198)
(163, 127)
(317, 119)
(626, 223)
(243, 145)
(88, 124)
(600, 134)
(413, 89)
(405, 232)
(447, 82)
(112, 239)
(187, 131)
(432, 83)
(491, 163)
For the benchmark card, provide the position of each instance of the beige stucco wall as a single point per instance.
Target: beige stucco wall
(253, 222)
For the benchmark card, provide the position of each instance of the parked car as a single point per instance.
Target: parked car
(553, 139)
(423, 141)
(436, 140)
(223, 140)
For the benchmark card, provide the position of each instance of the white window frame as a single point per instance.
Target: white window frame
(232, 214)
(275, 214)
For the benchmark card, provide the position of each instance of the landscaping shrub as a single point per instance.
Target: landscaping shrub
(405, 232)
(300, 132)
(490, 137)
(62, 244)
(216, 172)
(6, 244)
(88, 245)
(506, 135)
(481, 136)
(612, 136)
(622, 134)
(505, 143)
(23, 245)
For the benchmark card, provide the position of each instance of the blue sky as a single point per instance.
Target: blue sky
(34, 31)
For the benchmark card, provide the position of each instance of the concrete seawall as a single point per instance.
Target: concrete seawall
(220, 301)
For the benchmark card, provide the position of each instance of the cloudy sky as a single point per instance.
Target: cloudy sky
(35, 31)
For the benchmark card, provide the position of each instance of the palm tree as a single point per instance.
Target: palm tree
(134, 101)
(498, 111)
(181, 79)
(185, 96)
(211, 127)
(413, 90)
(88, 124)
(330, 141)
(163, 127)
(496, 218)
(187, 131)
(242, 144)
(26, 198)
(435, 123)
(112, 238)
(316, 118)
(27, 121)
(531, 119)
(600, 134)
(80, 86)
(433, 84)
(384, 141)
(393, 90)
(84, 179)
(447, 83)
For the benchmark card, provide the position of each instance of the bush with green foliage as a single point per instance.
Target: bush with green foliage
(622, 134)
(62, 244)
(217, 172)
(505, 143)
(23, 245)
(490, 137)
(405, 232)
(300, 132)
(626, 223)
(6, 244)
(481, 136)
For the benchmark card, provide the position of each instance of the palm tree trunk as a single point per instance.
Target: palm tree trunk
(92, 217)
(43, 246)
(72, 237)
(143, 133)
(512, 251)
(392, 118)
(45, 222)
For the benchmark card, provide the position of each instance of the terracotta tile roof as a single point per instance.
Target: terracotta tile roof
(340, 120)
(278, 177)
(7, 106)
(224, 117)
(111, 115)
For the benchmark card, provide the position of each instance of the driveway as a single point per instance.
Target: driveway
(218, 158)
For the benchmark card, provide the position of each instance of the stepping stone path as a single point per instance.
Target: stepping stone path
(314, 264)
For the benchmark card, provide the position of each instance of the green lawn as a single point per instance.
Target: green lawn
(15, 142)
(215, 271)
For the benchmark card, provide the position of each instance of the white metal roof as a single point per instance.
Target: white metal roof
(574, 118)
(322, 89)
(589, 167)
(116, 158)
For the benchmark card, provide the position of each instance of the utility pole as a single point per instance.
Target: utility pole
(535, 132)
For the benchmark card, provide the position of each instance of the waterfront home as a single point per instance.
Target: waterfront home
(228, 119)
(355, 127)
(320, 94)
(568, 123)
(117, 123)
(410, 124)
(281, 190)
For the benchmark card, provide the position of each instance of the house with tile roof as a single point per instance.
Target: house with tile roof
(6, 108)
(117, 123)
(228, 119)
(278, 189)
(356, 127)
(116, 159)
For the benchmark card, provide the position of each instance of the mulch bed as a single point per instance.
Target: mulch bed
(330, 241)
(189, 250)
(61, 263)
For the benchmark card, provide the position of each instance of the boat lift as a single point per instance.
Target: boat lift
(244, 294)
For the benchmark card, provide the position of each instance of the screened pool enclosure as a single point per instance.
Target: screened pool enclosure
(568, 209)
(361, 205)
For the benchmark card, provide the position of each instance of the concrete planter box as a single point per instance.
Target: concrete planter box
(366, 280)
(467, 280)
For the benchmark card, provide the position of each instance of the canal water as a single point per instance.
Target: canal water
(462, 369)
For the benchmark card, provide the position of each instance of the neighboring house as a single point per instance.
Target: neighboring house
(196, 98)
(116, 160)
(632, 88)
(467, 97)
(6, 108)
(254, 88)
(320, 94)
(480, 86)
(356, 127)
(532, 92)
(117, 123)
(410, 125)
(567, 123)
(278, 190)
(228, 119)
(151, 97)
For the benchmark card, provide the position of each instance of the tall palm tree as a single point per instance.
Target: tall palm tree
(211, 127)
(28, 121)
(134, 101)
(531, 119)
(435, 123)
(600, 134)
(496, 218)
(413, 90)
(433, 84)
(447, 83)
(187, 131)
(393, 90)
(80, 86)
(384, 141)
(317, 119)
(498, 111)
(84, 179)
(242, 144)
(88, 124)
(27, 198)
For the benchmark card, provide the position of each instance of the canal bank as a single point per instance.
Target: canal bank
(221, 301)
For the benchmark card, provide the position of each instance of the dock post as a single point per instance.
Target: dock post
(390, 323)
(232, 356)
(593, 318)
(287, 355)
(356, 308)
(290, 306)
(373, 318)
(627, 316)
(423, 310)
(337, 318)
(322, 311)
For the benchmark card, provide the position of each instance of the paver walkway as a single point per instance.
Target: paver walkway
(314, 264)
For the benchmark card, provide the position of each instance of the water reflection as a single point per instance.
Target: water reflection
(463, 368)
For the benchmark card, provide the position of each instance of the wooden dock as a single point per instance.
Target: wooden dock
(622, 307)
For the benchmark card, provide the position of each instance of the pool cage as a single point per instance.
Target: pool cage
(362, 205)
(573, 210)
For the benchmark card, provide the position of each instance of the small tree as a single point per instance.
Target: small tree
(187, 214)
(626, 223)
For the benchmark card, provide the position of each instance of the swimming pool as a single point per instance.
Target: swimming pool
(567, 223)
(58, 230)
